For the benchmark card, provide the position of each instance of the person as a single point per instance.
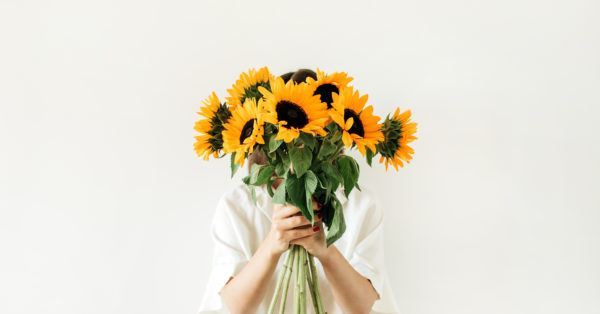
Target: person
(250, 240)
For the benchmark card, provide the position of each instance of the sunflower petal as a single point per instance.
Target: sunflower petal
(347, 139)
(349, 124)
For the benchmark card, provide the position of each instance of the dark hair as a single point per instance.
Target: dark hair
(258, 156)
(299, 76)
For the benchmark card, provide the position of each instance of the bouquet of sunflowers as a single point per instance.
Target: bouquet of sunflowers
(302, 125)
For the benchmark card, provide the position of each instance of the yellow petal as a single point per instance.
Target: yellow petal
(349, 124)
(361, 149)
(347, 139)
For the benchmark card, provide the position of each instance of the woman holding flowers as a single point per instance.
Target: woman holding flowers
(294, 129)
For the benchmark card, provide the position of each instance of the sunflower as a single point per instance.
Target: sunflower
(294, 108)
(327, 85)
(398, 132)
(210, 142)
(244, 130)
(358, 123)
(247, 86)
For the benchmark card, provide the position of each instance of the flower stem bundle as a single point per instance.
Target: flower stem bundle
(302, 128)
(300, 264)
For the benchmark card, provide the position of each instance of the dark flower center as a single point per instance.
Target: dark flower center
(291, 113)
(325, 91)
(247, 130)
(357, 126)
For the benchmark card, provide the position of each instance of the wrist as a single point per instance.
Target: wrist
(271, 252)
(326, 255)
(273, 247)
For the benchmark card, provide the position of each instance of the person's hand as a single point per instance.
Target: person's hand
(314, 243)
(289, 226)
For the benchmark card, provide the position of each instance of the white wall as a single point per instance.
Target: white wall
(105, 207)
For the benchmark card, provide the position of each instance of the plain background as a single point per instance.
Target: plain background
(105, 207)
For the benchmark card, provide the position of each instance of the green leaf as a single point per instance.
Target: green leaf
(296, 189)
(254, 172)
(369, 157)
(246, 180)
(270, 186)
(325, 183)
(311, 181)
(264, 175)
(331, 171)
(274, 144)
(334, 185)
(349, 171)
(356, 170)
(327, 148)
(308, 140)
(333, 175)
(331, 127)
(355, 167)
(338, 223)
(301, 159)
(323, 180)
(337, 135)
(279, 196)
(328, 210)
(282, 163)
(309, 205)
(234, 165)
(280, 169)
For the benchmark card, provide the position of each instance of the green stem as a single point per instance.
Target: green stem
(297, 284)
(310, 280)
(315, 281)
(288, 275)
(336, 154)
(279, 281)
(302, 277)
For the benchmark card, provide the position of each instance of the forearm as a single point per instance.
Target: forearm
(245, 291)
(352, 292)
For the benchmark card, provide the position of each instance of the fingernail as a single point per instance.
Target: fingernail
(319, 205)
(320, 216)
(315, 229)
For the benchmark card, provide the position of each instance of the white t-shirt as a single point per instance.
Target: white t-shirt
(239, 227)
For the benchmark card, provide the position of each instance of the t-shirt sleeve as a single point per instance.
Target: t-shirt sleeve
(230, 254)
(368, 255)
